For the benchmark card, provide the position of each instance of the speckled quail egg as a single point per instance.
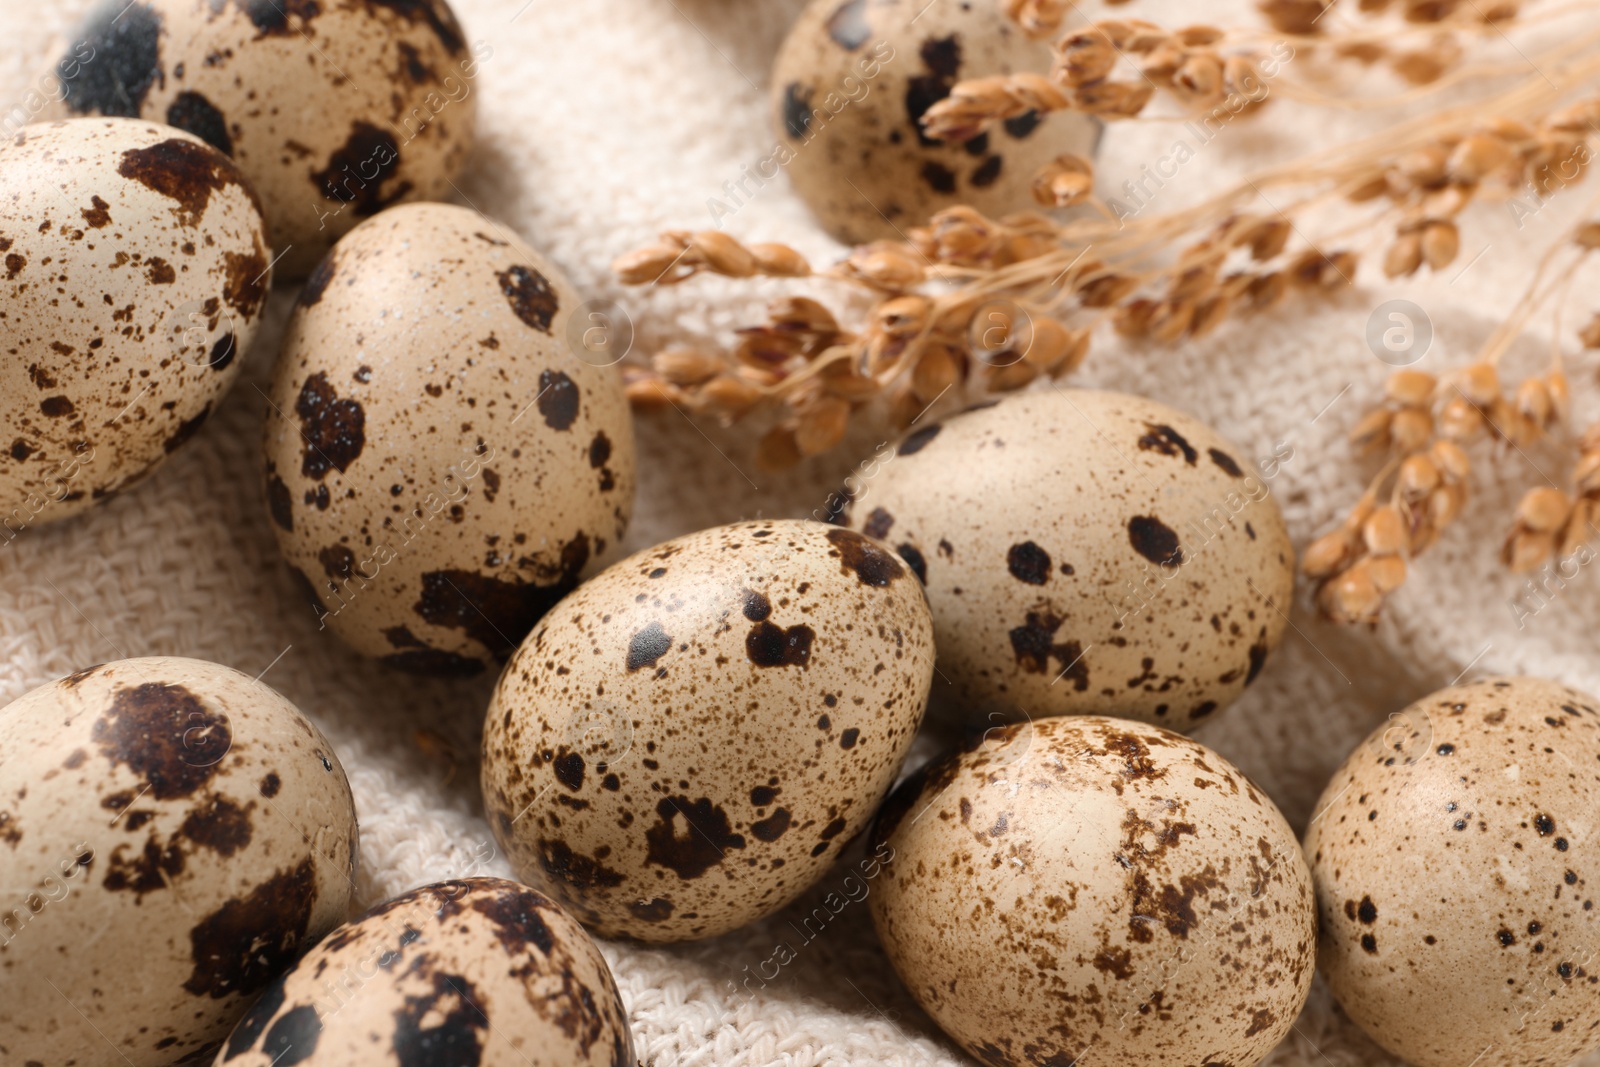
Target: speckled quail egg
(850, 86)
(335, 109)
(135, 271)
(1086, 552)
(1083, 883)
(688, 741)
(173, 835)
(480, 971)
(441, 461)
(1454, 856)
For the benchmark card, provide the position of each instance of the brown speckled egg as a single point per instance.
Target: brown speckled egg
(173, 834)
(480, 971)
(440, 465)
(688, 741)
(1084, 885)
(335, 109)
(1455, 854)
(134, 265)
(1086, 552)
(852, 81)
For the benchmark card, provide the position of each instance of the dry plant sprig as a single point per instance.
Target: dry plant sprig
(976, 305)
(1424, 425)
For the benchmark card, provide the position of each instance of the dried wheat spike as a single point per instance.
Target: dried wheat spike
(1299, 17)
(680, 255)
(1064, 181)
(973, 104)
(1038, 18)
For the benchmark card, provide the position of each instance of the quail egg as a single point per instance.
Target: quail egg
(173, 834)
(134, 265)
(441, 461)
(1452, 855)
(690, 739)
(480, 971)
(1083, 883)
(851, 84)
(335, 109)
(1086, 552)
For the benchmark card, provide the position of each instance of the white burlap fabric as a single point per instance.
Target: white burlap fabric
(604, 120)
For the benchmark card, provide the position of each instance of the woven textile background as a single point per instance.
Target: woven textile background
(604, 120)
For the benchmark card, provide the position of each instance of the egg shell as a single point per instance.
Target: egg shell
(173, 834)
(440, 466)
(480, 971)
(1085, 883)
(1455, 858)
(851, 82)
(1086, 552)
(335, 109)
(134, 265)
(688, 741)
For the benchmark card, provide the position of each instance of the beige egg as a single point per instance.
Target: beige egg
(688, 741)
(335, 109)
(442, 460)
(134, 265)
(173, 835)
(1086, 552)
(1453, 854)
(852, 81)
(480, 971)
(1084, 889)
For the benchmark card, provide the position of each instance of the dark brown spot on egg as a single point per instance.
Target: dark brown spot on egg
(254, 1024)
(768, 645)
(444, 1025)
(857, 555)
(879, 523)
(941, 59)
(497, 614)
(271, 784)
(518, 923)
(917, 440)
(1020, 126)
(159, 272)
(165, 734)
(1258, 659)
(1544, 824)
(245, 281)
(183, 171)
(940, 178)
(532, 298)
(56, 406)
(98, 215)
(318, 282)
(187, 428)
(559, 399)
(247, 942)
(574, 869)
(762, 795)
(756, 606)
(280, 503)
(1029, 563)
(599, 449)
(193, 113)
(847, 740)
(1154, 540)
(21, 450)
(1366, 912)
(647, 646)
(271, 17)
(1225, 461)
(1369, 944)
(706, 839)
(144, 871)
(357, 170)
(125, 43)
(293, 1038)
(915, 560)
(1034, 645)
(848, 25)
(333, 429)
(655, 910)
(220, 825)
(796, 110)
(569, 767)
(1163, 439)
(773, 826)
(987, 172)
(223, 351)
